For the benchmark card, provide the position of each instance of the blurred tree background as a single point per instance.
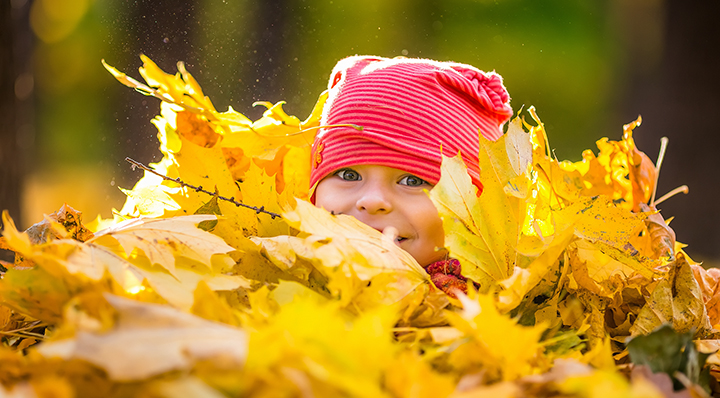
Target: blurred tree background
(587, 66)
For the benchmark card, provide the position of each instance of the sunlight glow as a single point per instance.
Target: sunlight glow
(136, 289)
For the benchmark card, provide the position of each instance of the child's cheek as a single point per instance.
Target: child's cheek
(328, 196)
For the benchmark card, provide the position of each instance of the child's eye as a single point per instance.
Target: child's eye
(412, 181)
(348, 175)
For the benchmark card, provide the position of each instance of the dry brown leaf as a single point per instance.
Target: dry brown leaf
(677, 300)
(709, 282)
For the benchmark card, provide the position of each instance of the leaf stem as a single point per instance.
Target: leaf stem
(661, 156)
(232, 200)
(24, 331)
(33, 325)
(681, 189)
(23, 335)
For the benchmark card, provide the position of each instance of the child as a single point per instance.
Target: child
(389, 122)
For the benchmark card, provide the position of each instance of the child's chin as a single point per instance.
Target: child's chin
(426, 260)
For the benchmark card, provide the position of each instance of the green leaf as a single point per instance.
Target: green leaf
(210, 207)
(667, 351)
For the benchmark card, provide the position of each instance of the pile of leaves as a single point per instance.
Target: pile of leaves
(580, 287)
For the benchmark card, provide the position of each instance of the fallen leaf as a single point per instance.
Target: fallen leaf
(524, 279)
(478, 234)
(162, 240)
(709, 283)
(150, 339)
(661, 236)
(676, 300)
(668, 351)
(368, 269)
(494, 342)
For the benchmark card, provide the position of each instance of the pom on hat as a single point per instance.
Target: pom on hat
(406, 113)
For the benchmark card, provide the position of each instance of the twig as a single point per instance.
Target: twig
(232, 200)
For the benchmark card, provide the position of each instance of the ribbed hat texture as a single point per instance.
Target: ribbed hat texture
(410, 111)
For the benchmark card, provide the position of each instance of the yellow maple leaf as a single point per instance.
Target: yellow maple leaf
(16, 240)
(176, 340)
(470, 223)
(516, 287)
(364, 267)
(181, 89)
(270, 133)
(261, 139)
(603, 221)
(619, 171)
(206, 168)
(484, 232)
(162, 240)
(383, 253)
(194, 256)
(496, 342)
(347, 354)
(36, 292)
(603, 249)
(410, 376)
(595, 265)
(608, 383)
(179, 289)
(201, 167)
(258, 190)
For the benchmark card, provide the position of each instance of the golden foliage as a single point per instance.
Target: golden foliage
(183, 293)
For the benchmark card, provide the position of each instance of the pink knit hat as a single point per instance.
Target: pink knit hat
(408, 112)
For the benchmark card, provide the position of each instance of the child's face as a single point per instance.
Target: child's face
(389, 200)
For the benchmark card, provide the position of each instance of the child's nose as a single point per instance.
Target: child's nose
(374, 201)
